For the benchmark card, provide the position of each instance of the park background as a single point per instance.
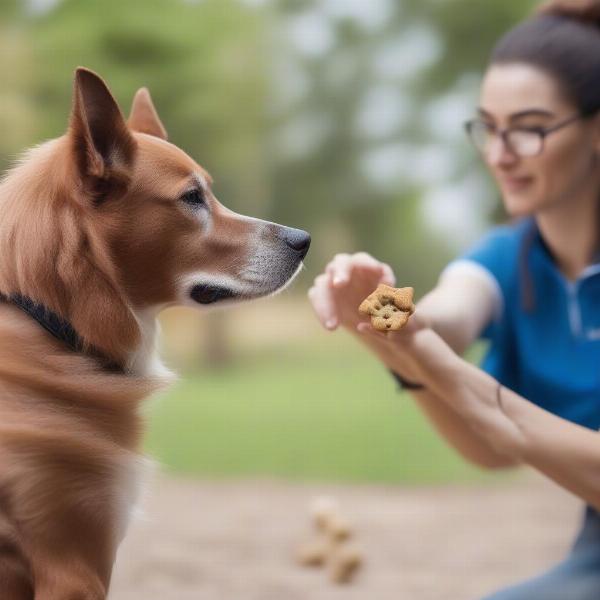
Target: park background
(340, 117)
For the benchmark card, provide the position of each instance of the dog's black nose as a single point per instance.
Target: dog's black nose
(297, 240)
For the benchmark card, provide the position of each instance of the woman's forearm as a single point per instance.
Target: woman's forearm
(456, 431)
(448, 423)
(567, 453)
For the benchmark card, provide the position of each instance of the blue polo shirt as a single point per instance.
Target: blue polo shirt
(545, 337)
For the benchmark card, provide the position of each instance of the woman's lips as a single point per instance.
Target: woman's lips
(515, 184)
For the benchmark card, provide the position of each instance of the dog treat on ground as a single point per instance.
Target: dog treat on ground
(323, 509)
(388, 307)
(338, 528)
(345, 561)
(314, 553)
(331, 548)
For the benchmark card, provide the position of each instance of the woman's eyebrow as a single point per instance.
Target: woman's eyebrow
(538, 112)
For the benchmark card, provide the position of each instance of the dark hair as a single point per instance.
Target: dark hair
(563, 39)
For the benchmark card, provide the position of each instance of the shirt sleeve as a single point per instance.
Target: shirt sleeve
(495, 257)
(493, 260)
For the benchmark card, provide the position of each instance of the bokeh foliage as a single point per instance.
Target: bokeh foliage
(224, 75)
(215, 69)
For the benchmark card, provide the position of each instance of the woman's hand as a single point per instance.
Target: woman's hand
(347, 280)
(409, 351)
(336, 295)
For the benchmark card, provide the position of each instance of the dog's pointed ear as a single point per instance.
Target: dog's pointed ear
(102, 144)
(143, 116)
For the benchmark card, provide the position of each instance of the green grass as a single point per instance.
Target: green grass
(318, 413)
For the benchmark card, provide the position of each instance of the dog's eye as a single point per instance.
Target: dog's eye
(194, 197)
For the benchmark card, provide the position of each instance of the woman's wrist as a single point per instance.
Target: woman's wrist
(440, 368)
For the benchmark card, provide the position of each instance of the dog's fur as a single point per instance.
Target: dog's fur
(104, 226)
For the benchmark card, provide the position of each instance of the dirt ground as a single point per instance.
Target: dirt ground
(205, 540)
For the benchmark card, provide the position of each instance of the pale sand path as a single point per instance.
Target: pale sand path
(205, 540)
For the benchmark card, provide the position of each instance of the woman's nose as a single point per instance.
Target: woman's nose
(499, 153)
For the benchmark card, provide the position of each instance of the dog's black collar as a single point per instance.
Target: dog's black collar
(59, 328)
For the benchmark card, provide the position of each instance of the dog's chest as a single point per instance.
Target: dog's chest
(130, 491)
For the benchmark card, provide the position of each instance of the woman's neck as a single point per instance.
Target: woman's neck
(571, 232)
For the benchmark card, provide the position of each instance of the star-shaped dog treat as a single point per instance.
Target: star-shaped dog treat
(388, 307)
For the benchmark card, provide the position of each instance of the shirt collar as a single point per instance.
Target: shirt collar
(534, 231)
(532, 240)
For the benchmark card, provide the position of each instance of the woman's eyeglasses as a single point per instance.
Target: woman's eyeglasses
(522, 141)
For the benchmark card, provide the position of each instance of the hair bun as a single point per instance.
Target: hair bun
(585, 11)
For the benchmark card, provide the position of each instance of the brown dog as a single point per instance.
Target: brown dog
(99, 230)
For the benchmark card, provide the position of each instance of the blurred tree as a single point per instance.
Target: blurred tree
(18, 117)
(205, 64)
(357, 91)
(329, 115)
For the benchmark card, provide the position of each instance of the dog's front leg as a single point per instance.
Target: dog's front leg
(74, 563)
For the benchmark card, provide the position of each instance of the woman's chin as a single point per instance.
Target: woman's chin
(519, 206)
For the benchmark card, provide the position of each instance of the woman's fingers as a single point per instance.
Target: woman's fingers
(344, 267)
(339, 269)
(400, 335)
(367, 329)
(388, 276)
(330, 297)
(321, 298)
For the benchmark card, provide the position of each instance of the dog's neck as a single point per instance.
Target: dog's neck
(61, 329)
(53, 253)
(140, 360)
(145, 360)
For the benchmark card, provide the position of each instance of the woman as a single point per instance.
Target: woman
(532, 288)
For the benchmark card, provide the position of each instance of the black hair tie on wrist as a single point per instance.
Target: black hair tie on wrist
(404, 384)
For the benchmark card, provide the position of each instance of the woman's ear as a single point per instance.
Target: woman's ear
(143, 116)
(102, 144)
